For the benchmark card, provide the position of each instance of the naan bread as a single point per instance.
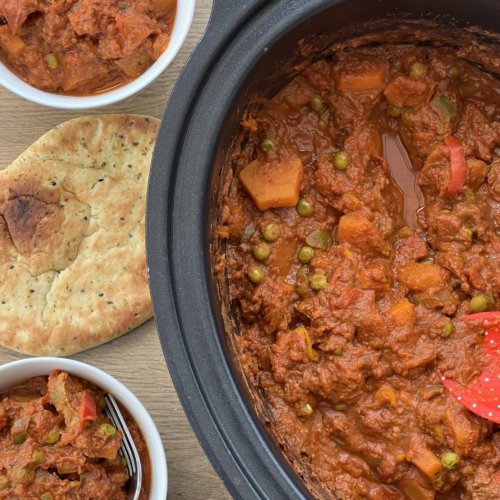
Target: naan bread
(72, 251)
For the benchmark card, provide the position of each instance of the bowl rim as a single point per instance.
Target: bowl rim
(182, 24)
(24, 369)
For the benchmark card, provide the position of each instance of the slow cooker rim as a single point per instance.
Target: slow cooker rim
(162, 189)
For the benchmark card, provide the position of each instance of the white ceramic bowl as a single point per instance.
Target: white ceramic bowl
(18, 371)
(183, 20)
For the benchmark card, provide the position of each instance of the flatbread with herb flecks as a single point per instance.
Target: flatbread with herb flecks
(72, 251)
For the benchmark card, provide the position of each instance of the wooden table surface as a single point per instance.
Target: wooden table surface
(136, 359)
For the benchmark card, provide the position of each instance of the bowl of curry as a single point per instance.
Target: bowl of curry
(83, 54)
(334, 192)
(57, 442)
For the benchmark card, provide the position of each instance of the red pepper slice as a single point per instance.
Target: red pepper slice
(88, 408)
(457, 164)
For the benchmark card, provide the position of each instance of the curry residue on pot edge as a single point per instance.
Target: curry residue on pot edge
(345, 308)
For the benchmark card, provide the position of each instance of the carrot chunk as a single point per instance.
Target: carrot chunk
(423, 458)
(415, 491)
(273, 184)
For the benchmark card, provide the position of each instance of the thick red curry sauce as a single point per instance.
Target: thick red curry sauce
(56, 442)
(347, 308)
(82, 47)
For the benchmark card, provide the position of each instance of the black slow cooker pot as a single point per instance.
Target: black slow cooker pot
(247, 48)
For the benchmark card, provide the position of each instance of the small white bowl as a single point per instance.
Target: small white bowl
(182, 23)
(16, 372)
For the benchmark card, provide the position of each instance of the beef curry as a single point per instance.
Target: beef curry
(82, 47)
(56, 442)
(350, 287)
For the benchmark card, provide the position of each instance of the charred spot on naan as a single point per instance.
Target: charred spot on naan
(46, 226)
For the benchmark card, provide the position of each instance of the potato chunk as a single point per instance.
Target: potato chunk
(420, 276)
(402, 313)
(360, 73)
(273, 184)
(357, 230)
(12, 44)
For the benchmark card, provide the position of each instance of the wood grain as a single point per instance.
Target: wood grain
(136, 359)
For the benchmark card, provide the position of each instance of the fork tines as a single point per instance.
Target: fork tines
(127, 448)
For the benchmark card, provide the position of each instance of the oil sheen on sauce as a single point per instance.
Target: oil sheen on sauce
(404, 176)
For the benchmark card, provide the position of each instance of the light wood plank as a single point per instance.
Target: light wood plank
(136, 359)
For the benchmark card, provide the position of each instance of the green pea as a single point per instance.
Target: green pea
(317, 282)
(107, 429)
(53, 436)
(317, 104)
(46, 496)
(52, 61)
(393, 111)
(268, 144)
(19, 437)
(271, 232)
(38, 456)
(261, 251)
(101, 403)
(255, 274)
(304, 207)
(338, 351)
(449, 460)
(305, 254)
(447, 329)
(341, 160)
(479, 303)
(406, 118)
(307, 410)
(417, 69)
(340, 407)
(452, 71)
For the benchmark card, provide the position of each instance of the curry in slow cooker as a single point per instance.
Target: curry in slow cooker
(359, 224)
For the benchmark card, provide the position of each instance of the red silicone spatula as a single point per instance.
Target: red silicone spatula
(482, 394)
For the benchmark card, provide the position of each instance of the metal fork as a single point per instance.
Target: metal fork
(127, 449)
